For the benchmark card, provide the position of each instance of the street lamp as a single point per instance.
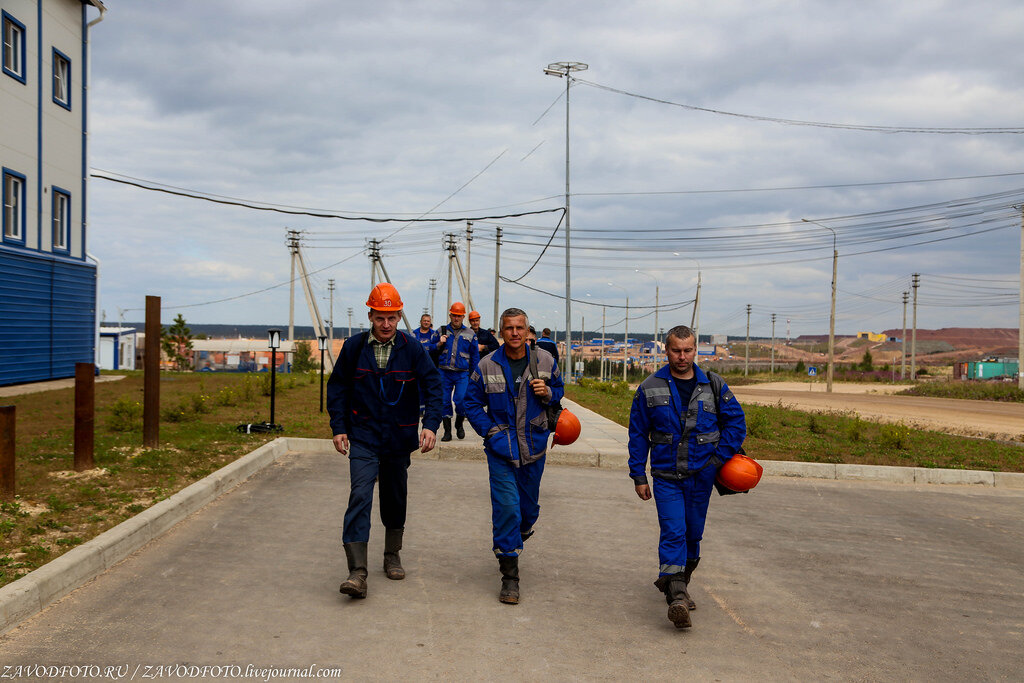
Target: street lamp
(657, 288)
(832, 315)
(274, 341)
(322, 342)
(695, 318)
(563, 69)
(625, 341)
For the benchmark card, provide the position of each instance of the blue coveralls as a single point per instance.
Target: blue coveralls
(429, 341)
(688, 439)
(458, 357)
(514, 427)
(378, 408)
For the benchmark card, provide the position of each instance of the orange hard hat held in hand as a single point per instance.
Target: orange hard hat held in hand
(568, 428)
(740, 473)
(384, 297)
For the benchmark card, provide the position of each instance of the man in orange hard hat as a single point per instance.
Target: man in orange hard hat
(458, 355)
(373, 398)
(485, 340)
(690, 424)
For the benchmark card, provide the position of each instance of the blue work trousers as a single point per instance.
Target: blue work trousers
(365, 468)
(682, 510)
(453, 385)
(515, 502)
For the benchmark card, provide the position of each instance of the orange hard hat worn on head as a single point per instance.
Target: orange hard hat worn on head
(474, 315)
(458, 308)
(384, 297)
(740, 473)
(568, 428)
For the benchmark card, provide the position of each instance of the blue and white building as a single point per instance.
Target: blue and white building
(48, 282)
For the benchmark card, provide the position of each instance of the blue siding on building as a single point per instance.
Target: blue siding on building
(47, 316)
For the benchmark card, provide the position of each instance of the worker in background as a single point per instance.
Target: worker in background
(690, 424)
(486, 341)
(506, 404)
(458, 355)
(427, 336)
(547, 343)
(373, 399)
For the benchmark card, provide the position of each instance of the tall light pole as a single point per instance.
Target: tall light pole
(657, 288)
(695, 318)
(832, 315)
(625, 339)
(562, 70)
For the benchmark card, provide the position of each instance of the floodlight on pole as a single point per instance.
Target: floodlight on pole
(564, 69)
(274, 342)
(657, 289)
(625, 338)
(832, 315)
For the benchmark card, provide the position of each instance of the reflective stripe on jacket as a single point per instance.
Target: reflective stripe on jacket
(514, 427)
(682, 435)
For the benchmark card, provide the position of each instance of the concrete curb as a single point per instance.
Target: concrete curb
(33, 592)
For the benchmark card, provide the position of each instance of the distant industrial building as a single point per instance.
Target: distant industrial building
(1002, 368)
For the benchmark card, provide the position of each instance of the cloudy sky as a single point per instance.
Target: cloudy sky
(441, 110)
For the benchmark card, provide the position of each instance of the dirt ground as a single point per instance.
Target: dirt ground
(987, 419)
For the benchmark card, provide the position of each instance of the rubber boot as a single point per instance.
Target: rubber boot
(447, 424)
(509, 580)
(392, 562)
(677, 598)
(355, 584)
(687, 572)
(459, 431)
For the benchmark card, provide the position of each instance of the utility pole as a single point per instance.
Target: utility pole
(915, 283)
(625, 345)
(746, 354)
(773, 344)
(695, 318)
(1020, 312)
(903, 341)
(497, 274)
(350, 322)
(330, 290)
(449, 245)
(433, 288)
(293, 250)
(469, 238)
(604, 311)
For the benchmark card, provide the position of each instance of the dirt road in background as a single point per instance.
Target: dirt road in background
(989, 419)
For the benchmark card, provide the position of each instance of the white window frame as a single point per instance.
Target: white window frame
(13, 39)
(60, 220)
(14, 206)
(61, 79)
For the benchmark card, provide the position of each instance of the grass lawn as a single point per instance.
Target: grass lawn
(57, 508)
(779, 433)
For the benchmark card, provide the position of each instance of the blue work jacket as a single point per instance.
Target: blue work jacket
(380, 407)
(428, 340)
(682, 434)
(514, 426)
(460, 352)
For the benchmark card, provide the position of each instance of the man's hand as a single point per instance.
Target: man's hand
(341, 443)
(427, 441)
(643, 491)
(444, 338)
(541, 389)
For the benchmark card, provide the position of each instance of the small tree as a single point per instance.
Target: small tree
(176, 341)
(302, 357)
(866, 363)
(800, 367)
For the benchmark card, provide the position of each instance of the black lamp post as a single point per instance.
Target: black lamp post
(322, 341)
(274, 339)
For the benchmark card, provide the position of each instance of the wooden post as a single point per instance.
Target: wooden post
(85, 411)
(7, 452)
(151, 376)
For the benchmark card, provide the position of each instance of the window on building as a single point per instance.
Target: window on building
(14, 206)
(61, 79)
(14, 47)
(61, 220)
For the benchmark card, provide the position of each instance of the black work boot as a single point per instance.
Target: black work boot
(509, 580)
(687, 572)
(447, 424)
(392, 562)
(459, 431)
(355, 584)
(677, 598)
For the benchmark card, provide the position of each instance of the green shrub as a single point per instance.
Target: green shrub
(758, 423)
(894, 436)
(125, 415)
(854, 429)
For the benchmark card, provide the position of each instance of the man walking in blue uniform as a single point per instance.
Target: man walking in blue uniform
(690, 424)
(506, 405)
(373, 398)
(486, 341)
(427, 336)
(458, 356)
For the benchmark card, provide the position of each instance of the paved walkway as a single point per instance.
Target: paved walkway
(36, 387)
(802, 579)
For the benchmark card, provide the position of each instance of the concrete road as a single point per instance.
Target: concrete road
(800, 580)
(987, 419)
